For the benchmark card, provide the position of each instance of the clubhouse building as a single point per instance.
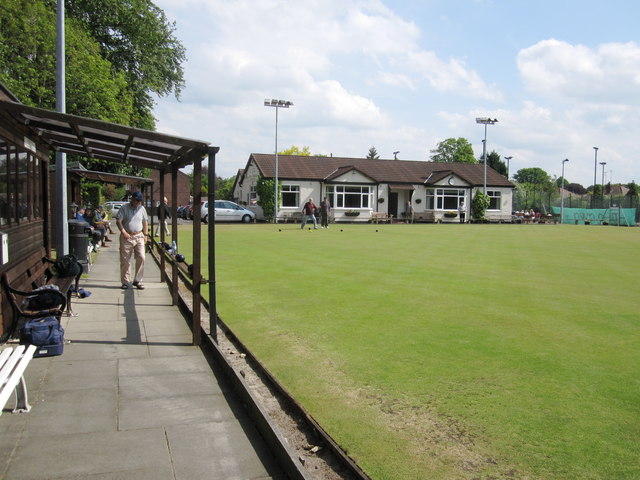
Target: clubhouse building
(360, 189)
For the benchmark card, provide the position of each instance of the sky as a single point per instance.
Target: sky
(561, 77)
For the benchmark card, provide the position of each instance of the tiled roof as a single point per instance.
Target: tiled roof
(297, 167)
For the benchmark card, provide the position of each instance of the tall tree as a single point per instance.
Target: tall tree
(138, 40)
(295, 150)
(633, 193)
(494, 161)
(453, 150)
(373, 154)
(119, 53)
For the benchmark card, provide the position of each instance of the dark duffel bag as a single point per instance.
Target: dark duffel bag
(46, 334)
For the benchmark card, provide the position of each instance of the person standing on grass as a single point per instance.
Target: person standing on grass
(133, 223)
(461, 211)
(325, 211)
(309, 213)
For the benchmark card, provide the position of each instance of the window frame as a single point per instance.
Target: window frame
(442, 198)
(495, 197)
(293, 190)
(350, 196)
(20, 177)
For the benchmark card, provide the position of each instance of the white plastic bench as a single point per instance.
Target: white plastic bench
(13, 363)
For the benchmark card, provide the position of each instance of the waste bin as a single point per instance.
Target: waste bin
(79, 233)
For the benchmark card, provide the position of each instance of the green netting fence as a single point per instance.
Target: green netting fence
(597, 216)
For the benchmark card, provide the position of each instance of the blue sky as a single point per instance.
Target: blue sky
(560, 76)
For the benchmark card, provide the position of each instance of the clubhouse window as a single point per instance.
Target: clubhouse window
(290, 195)
(349, 196)
(444, 198)
(494, 200)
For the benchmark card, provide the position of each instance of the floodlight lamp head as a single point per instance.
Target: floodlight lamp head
(565, 160)
(274, 102)
(486, 121)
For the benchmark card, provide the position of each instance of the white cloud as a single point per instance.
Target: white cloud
(359, 75)
(607, 74)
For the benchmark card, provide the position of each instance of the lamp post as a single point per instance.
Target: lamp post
(562, 193)
(595, 168)
(276, 104)
(395, 154)
(603, 164)
(485, 121)
(508, 159)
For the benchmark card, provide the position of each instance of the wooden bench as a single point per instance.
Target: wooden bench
(13, 363)
(377, 217)
(424, 217)
(32, 272)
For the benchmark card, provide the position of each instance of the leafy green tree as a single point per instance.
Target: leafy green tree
(536, 176)
(264, 189)
(454, 150)
(224, 188)
(575, 188)
(494, 161)
(373, 154)
(535, 186)
(119, 53)
(138, 40)
(479, 206)
(294, 150)
(633, 193)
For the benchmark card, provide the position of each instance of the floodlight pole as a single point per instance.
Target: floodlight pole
(485, 121)
(603, 164)
(595, 168)
(62, 230)
(276, 104)
(562, 193)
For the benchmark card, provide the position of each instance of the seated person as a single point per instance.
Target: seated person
(100, 232)
(100, 218)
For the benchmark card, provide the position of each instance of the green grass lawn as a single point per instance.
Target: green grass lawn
(449, 351)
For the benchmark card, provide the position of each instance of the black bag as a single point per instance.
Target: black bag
(67, 266)
(45, 333)
(45, 299)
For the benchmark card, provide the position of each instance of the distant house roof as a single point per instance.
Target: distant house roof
(298, 167)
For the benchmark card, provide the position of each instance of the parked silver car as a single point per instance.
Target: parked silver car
(226, 211)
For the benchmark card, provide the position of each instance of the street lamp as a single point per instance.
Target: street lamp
(276, 104)
(595, 168)
(603, 164)
(395, 154)
(485, 121)
(508, 159)
(562, 193)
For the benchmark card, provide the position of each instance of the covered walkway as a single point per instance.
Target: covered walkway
(131, 397)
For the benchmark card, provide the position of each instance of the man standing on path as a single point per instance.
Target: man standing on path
(133, 223)
(167, 217)
(309, 213)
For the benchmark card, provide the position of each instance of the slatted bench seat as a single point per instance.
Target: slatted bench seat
(35, 271)
(424, 217)
(13, 363)
(377, 217)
